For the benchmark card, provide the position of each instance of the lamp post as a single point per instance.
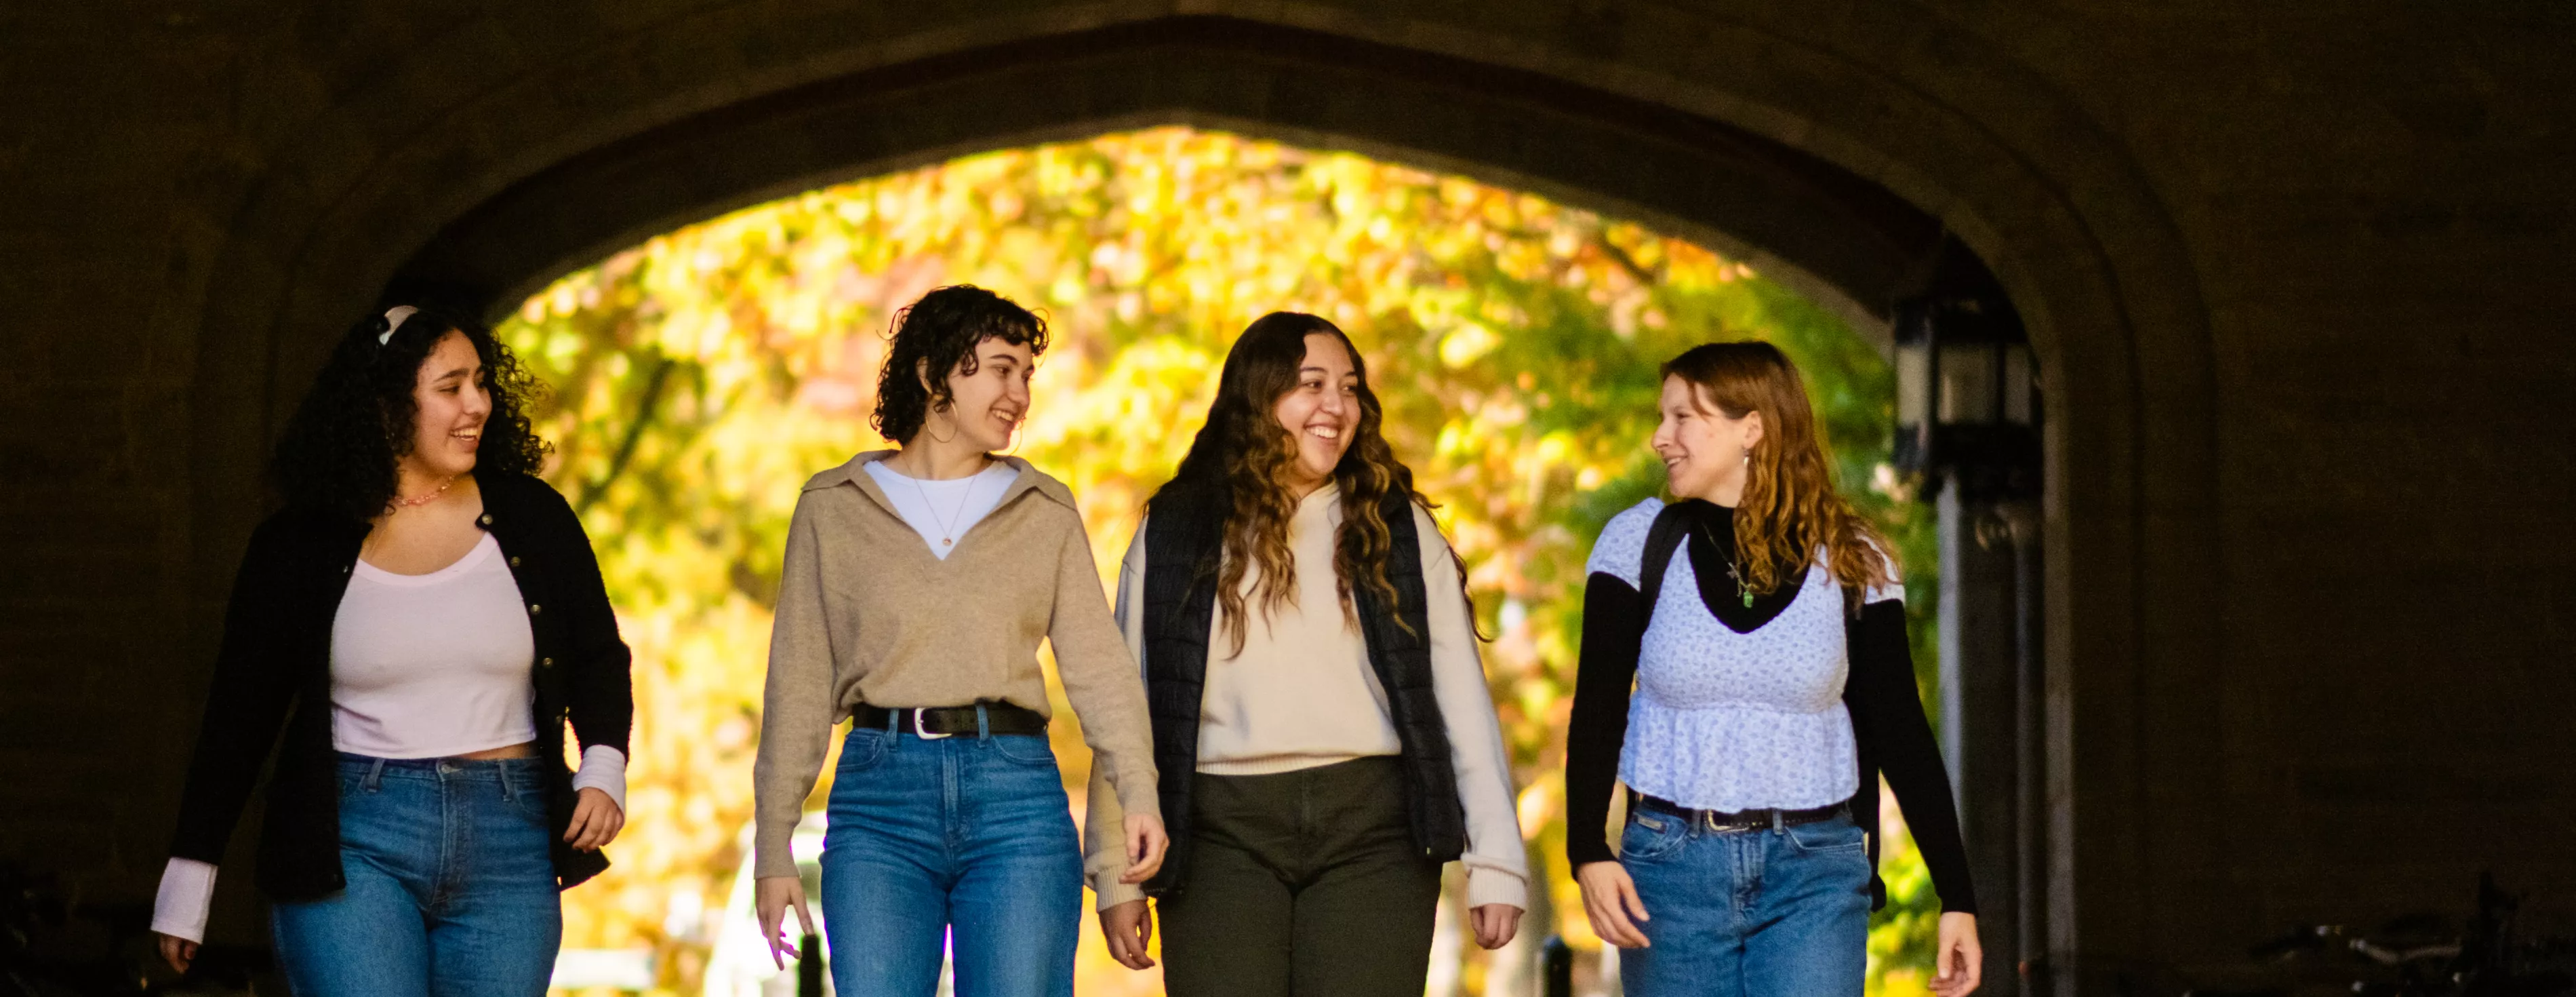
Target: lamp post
(1968, 413)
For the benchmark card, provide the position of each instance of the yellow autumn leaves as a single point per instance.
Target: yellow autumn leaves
(699, 379)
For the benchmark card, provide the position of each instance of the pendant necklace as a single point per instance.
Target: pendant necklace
(947, 527)
(1731, 573)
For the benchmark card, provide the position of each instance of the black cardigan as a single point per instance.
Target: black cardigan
(274, 671)
(1886, 709)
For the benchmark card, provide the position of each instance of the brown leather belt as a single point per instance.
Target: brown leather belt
(1736, 820)
(944, 721)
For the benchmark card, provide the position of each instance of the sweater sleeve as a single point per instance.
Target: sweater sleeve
(796, 702)
(1888, 721)
(1497, 858)
(1613, 628)
(1104, 821)
(245, 707)
(1101, 679)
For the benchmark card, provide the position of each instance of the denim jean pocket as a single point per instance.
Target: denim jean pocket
(1025, 749)
(1651, 836)
(526, 791)
(863, 749)
(1824, 836)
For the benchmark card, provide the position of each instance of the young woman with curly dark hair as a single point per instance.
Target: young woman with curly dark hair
(1321, 722)
(1759, 620)
(918, 584)
(418, 621)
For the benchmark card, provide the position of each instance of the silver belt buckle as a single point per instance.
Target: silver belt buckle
(924, 732)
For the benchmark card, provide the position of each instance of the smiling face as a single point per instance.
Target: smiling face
(1702, 447)
(1322, 411)
(990, 402)
(453, 405)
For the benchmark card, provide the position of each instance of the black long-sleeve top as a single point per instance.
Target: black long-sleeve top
(1888, 722)
(273, 677)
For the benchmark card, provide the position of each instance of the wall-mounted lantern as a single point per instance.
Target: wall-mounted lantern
(1967, 401)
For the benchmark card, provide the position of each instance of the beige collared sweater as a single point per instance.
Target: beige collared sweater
(866, 614)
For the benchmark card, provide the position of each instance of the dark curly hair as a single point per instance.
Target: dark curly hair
(944, 328)
(1240, 461)
(339, 450)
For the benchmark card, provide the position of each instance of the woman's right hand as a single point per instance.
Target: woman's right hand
(1609, 897)
(1129, 926)
(772, 895)
(177, 951)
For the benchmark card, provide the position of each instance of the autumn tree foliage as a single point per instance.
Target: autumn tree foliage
(699, 378)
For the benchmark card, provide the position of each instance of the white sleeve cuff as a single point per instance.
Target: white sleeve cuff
(187, 891)
(603, 768)
(1490, 885)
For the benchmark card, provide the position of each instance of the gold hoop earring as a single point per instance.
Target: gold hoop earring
(925, 427)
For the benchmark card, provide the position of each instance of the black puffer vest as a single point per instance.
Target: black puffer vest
(1183, 551)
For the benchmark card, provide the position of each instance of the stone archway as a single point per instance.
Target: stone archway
(1834, 235)
(471, 154)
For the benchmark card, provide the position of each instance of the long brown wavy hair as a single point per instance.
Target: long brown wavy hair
(1241, 458)
(1790, 508)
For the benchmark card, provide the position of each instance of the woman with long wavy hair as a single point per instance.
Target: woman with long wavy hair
(918, 584)
(419, 621)
(1321, 721)
(1772, 687)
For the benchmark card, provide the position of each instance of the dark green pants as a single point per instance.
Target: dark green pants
(1301, 884)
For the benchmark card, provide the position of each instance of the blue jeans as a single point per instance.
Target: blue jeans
(451, 892)
(968, 834)
(1762, 912)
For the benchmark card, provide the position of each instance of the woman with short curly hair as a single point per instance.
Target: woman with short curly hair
(419, 621)
(918, 584)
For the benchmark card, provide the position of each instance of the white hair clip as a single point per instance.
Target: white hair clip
(394, 317)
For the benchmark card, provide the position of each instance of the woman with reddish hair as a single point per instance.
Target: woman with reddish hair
(1760, 622)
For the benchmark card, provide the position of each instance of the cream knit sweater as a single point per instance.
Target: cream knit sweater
(1302, 694)
(866, 614)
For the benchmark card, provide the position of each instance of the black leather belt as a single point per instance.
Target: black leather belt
(943, 721)
(1736, 820)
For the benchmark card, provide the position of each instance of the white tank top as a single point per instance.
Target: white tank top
(427, 666)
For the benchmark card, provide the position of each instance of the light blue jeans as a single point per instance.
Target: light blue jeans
(1761, 912)
(965, 836)
(451, 890)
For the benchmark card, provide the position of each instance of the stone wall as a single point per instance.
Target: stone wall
(2297, 272)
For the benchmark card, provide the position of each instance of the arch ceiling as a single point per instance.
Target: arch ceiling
(1831, 234)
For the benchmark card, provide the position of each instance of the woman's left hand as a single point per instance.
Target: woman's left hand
(595, 820)
(1145, 844)
(1495, 924)
(1958, 962)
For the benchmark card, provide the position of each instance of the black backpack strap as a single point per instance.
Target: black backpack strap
(1662, 539)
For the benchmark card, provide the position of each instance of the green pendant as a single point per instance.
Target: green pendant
(1748, 599)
